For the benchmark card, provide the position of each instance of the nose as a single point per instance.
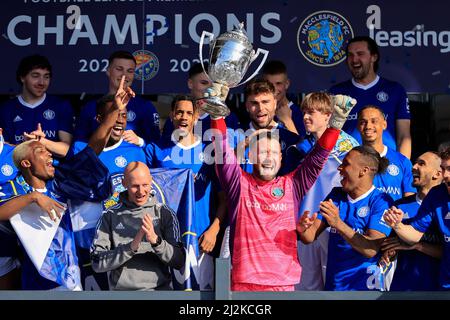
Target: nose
(415, 166)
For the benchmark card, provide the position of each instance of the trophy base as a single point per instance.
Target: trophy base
(215, 107)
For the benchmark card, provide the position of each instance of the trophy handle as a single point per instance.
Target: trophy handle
(265, 53)
(200, 48)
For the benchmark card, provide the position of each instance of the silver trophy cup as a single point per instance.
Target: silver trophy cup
(230, 55)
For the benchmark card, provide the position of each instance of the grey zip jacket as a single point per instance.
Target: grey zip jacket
(148, 267)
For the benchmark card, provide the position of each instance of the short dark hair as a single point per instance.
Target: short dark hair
(274, 67)
(372, 158)
(370, 106)
(102, 103)
(183, 97)
(258, 86)
(197, 68)
(121, 54)
(371, 45)
(32, 62)
(445, 154)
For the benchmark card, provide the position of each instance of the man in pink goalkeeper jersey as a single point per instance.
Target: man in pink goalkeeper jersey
(263, 238)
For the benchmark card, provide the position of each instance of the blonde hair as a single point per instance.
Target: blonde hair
(317, 101)
(20, 152)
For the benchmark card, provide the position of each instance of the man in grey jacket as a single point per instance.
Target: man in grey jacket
(138, 239)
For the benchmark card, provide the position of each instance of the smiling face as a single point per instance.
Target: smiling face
(267, 152)
(261, 108)
(39, 161)
(426, 171)
(118, 68)
(35, 83)
(371, 124)
(360, 61)
(184, 116)
(315, 121)
(138, 182)
(350, 171)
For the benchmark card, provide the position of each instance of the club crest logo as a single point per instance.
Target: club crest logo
(131, 115)
(147, 65)
(49, 114)
(322, 38)
(363, 211)
(120, 161)
(7, 170)
(393, 170)
(277, 192)
(382, 96)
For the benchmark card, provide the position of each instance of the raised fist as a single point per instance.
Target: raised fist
(342, 105)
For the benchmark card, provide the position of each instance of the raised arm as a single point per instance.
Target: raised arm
(100, 137)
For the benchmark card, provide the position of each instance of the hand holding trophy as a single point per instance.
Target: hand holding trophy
(230, 56)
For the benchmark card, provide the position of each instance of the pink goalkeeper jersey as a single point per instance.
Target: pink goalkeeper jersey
(263, 236)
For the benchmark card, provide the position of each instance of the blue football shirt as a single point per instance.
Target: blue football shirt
(390, 96)
(348, 269)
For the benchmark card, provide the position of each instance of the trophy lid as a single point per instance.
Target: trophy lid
(237, 34)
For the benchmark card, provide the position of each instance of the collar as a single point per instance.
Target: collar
(351, 200)
(418, 199)
(29, 105)
(114, 146)
(384, 152)
(367, 86)
(197, 141)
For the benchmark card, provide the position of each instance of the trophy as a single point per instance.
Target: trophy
(230, 55)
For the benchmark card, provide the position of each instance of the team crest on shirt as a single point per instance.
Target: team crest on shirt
(277, 192)
(393, 170)
(382, 96)
(131, 116)
(363, 212)
(120, 161)
(49, 114)
(7, 170)
(322, 38)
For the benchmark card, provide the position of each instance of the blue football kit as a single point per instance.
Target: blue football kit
(388, 95)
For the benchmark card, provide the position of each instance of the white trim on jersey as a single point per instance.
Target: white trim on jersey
(418, 200)
(114, 146)
(29, 105)
(196, 143)
(365, 195)
(384, 152)
(367, 86)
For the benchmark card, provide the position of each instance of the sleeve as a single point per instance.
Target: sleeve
(149, 127)
(377, 209)
(83, 128)
(407, 177)
(65, 118)
(103, 256)
(83, 177)
(8, 191)
(402, 109)
(150, 154)
(309, 169)
(227, 167)
(171, 250)
(424, 218)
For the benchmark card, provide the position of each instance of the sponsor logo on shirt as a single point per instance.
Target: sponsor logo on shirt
(447, 238)
(393, 170)
(17, 119)
(382, 96)
(120, 161)
(49, 114)
(156, 119)
(131, 116)
(7, 170)
(363, 211)
(322, 38)
(266, 207)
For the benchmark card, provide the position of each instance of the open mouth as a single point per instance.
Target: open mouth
(117, 130)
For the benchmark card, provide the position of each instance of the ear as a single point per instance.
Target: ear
(190, 84)
(437, 175)
(98, 118)
(25, 163)
(288, 83)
